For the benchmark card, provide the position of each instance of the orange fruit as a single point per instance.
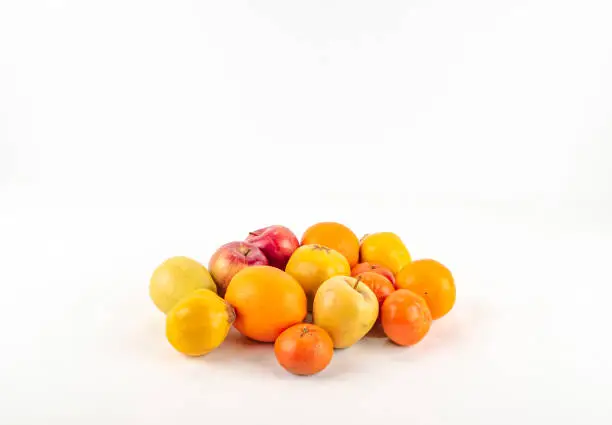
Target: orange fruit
(405, 317)
(267, 301)
(431, 280)
(304, 349)
(379, 284)
(335, 236)
(385, 249)
(311, 265)
(367, 267)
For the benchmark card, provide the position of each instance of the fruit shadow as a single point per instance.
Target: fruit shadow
(259, 357)
(238, 348)
(144, 335)
(455, 330)
(364, 358)
(458, 328)
(376, 332)
(342, 366)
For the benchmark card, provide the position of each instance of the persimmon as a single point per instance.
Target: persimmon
(405, 317)
(267, 301)
(368, 267)
(379, 284)
(431, 280)
(335, 236)
(304, 349)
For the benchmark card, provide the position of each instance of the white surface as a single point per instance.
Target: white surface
(131, 131)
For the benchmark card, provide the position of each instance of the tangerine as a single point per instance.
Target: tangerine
(304, 349)
(405, 317)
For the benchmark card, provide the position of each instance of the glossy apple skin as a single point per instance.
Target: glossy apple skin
(276, 242)
(369, 267)
(232, 257)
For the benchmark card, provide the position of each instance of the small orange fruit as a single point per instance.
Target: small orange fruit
(431, 280)
(335, 236)
(367, 267)
(267, 301)
(304, 349)
(379, 284)
(385, 249)
(311, 265)
(405, 317)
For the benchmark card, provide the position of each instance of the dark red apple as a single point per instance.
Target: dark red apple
(276, 242)
(230, 259)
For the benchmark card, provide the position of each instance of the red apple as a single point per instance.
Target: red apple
(230, 259)
(276, 242)
(368, 267)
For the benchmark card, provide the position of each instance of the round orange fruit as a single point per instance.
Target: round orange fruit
(304, 349)
(335, 236)
(267, 301)
(375, 268)
(379, 284)
(405, 317)
(431, 280)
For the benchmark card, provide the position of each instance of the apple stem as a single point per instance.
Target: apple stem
(357, 283)
(247, 252)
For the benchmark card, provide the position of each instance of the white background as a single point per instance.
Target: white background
(131, 131)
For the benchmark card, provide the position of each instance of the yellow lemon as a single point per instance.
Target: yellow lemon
(199, 323)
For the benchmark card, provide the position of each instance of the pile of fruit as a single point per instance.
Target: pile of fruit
(266, 285)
